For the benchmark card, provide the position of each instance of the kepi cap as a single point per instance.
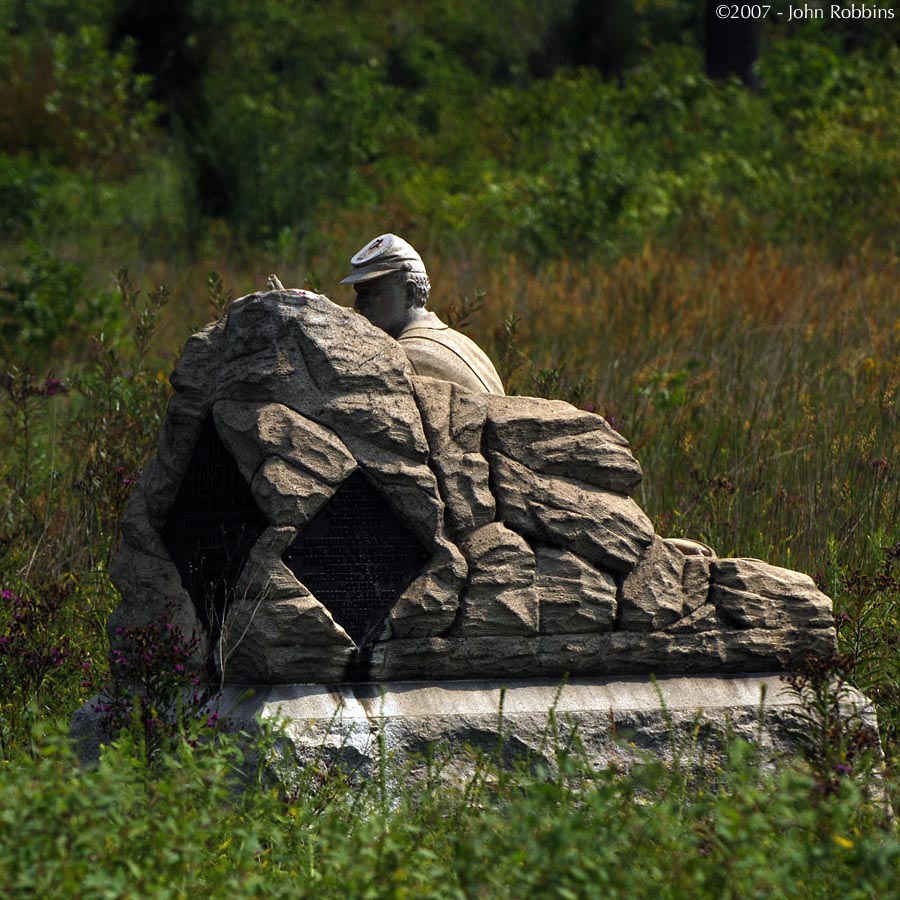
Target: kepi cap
(382, 255)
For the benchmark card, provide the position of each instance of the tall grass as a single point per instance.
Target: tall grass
(759, 391)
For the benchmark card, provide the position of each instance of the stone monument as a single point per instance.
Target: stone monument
(375, 549)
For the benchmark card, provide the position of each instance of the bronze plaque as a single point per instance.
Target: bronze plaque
(357, 558)
(211, 527)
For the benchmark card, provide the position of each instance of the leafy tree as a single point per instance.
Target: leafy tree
(100, 108)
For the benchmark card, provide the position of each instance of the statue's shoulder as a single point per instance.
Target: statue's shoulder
(437, 350)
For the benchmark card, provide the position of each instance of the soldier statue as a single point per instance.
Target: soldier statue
(392, 289)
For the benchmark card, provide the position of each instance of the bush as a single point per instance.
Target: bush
(43, 300)
(206, 819)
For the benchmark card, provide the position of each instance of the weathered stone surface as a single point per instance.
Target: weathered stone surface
(140, 529)
(704, 618)
(604, 653)
(179, 434)
(652, 595)
(750, 593)
(264, 574)
(409, 488)
(275, 374)
(152, 591)
(500, 597)
(254, 431)
(198, 367)
(617, 722)
(454, 421)
(276, 631)
(695, 582)
(188, 409)
(574, 595)
(555, 438)
(269, 641)
(159, 485)
(261, 322)
(604, 528)
(288, 495)
(429, 605)
(328, 364)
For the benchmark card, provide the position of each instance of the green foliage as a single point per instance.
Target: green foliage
(22, 186)
(434, 114)
(54, 16)
(205, 819)
(668, 390)
(868, 612)
(43, 663)
(43, 300)
(119, 831)
(836, 744)
(99, 109)
(95, 110)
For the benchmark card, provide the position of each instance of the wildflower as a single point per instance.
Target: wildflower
(52, 387)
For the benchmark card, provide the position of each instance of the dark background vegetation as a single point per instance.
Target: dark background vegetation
(626, 213)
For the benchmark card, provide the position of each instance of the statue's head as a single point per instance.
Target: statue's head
(390, 281)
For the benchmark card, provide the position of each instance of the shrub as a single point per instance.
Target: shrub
(43, 300)
(205, 820)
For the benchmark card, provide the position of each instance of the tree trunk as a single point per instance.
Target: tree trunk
(732, 45)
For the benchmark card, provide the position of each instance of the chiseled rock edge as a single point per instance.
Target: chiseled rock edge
(540, 564)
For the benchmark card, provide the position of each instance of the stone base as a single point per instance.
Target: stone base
(612, 721)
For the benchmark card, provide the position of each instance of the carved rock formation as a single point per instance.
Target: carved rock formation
(506, 525)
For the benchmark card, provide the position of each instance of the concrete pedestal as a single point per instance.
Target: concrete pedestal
(611, 720)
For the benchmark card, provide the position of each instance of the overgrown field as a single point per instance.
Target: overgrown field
(712, 269)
